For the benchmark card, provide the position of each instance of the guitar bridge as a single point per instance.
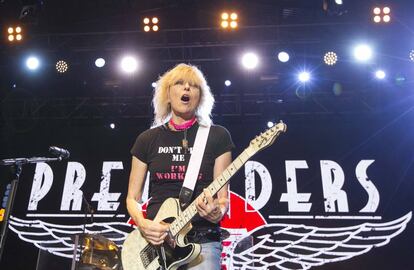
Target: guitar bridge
(148, 254)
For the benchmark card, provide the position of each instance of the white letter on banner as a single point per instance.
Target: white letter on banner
(372, 191)
(42, 182)
(107, 201)
(75, 177)
(297, 202)
(257, 203)
(332, 181)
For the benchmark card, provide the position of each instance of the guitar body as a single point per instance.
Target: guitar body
(138, 254)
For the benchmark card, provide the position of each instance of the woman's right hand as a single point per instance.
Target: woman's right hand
(153, 231)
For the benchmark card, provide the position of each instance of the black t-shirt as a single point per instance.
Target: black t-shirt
(161, 149)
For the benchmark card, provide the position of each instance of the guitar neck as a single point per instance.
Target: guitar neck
(185, 217)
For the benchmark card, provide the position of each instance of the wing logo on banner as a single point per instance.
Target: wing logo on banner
(56, 238)
(293, 246)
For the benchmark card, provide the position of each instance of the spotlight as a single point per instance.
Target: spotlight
(304, 76)
(227, 83)
(338, 2)
(154, 84)
(151, 24)
(129, 64)
(330, 58)
(224, 24)
(270, 124)
(32, 63)
(112, 125)
(382, 14)
(412, 55)
(250, 60)
(229, 20)
(100, 62)
(283, 57)
(363, 53)
(61, 66)
(233, 24)
(380, 74)
(14, 33)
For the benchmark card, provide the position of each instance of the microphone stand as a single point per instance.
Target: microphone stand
(88, 210)
(16, 167)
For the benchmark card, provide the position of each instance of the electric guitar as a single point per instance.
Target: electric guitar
(138, 254)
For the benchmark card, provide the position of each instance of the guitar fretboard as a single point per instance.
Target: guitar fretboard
(185, 217)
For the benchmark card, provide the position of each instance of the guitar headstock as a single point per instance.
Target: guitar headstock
(267, 137)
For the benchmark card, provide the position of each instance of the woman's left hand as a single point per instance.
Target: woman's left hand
(209, 208)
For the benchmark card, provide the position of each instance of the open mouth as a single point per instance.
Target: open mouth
(185, 98)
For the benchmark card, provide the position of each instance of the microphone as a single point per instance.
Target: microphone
(59, 152)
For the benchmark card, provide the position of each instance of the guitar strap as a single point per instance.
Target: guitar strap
(194, 164)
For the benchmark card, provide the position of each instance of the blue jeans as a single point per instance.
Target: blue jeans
(209, 258)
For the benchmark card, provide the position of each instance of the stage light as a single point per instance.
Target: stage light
(363, 53)
(250, 60)
(412, 55)
(151, 24)
(154, 84)
(283, 57)
(14, 34)
(338, 2)
(224, 16)
(233, 24)
(270, 124)
(380, 74)
(330, 58)
(382, 14)
(229, 20)
(32, 63)
(112, 125)
(304, 76)
(129, 64)
(100, 62)
(227, 83)
(61, 66)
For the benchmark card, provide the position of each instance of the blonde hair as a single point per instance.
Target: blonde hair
(191, 74)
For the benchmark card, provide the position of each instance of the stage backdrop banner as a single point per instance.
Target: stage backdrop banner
(328, 194)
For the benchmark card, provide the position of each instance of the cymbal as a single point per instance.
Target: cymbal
(95, 241)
